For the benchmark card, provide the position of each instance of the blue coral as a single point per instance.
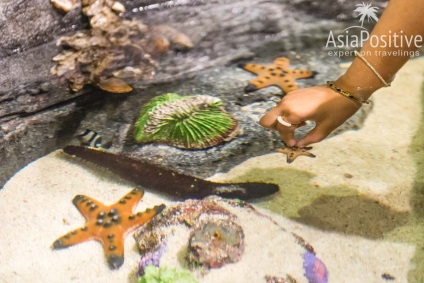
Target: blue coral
(150, 259)
(315, 269)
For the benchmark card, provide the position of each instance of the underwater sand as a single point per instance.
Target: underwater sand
(37, 209)
(361, 225)
(367, 183)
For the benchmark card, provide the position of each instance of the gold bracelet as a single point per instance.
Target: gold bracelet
(331, 85)
(386, 84)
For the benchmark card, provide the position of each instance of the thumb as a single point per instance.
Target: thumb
(320, 132)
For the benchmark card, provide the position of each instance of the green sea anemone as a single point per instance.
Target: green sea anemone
(188, 122)
(165, 274)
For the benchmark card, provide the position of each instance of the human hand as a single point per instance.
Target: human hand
(321, 104)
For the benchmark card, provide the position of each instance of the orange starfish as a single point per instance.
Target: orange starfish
(294, 152)
(108, 224)
(279, 74)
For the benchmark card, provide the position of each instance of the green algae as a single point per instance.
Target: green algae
(165, 274)
(333, 208)
(296, 189)
(414, 231)
(353, 215)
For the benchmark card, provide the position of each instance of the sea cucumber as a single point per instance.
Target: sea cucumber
(167, 181)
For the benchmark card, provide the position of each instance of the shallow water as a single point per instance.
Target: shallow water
(413, 231)
(343, 210)
(332, 203)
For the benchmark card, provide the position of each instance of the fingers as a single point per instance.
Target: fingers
(301, 124)
(269, 121)
(320, 104)
(320, 132)
(287, 134)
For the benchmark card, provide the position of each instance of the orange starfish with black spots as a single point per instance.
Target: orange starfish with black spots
(279, 74)
(294, 152)
(108, 224)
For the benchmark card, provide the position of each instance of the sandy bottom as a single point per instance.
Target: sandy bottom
(357, 171)
(362, 183)
(37, 209)
(376, 157)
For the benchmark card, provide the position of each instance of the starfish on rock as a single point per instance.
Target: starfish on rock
(294, 152)
(108, 224)
(279, 74)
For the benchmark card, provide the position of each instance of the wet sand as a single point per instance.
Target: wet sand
(365, 183)
(376, 156)
(37, 207)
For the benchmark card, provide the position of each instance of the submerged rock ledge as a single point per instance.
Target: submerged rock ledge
(39, 114)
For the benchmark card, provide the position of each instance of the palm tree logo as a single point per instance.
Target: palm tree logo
(366, 11)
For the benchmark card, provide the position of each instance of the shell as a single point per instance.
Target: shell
(118, 7)
(114, 85)
(215, 243)
(64, 5)
(190, 122)
(315, 269)
(151, 237)
(179, 40)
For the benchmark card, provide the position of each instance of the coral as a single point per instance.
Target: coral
(275, 279)
(166, 275)
(151, 236)
(315, 269)
(108, 224)
(308, 247)
(168, 181)
(190, 211)
(150, 259)
(215, 243)
(188, 122)
(114, 52)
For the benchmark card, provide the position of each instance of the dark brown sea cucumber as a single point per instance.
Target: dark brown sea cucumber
(169, 182)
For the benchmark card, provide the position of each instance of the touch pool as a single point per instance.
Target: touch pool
(360, 222)
(120, 72)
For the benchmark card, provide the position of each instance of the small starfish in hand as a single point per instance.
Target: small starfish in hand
(294, 152)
